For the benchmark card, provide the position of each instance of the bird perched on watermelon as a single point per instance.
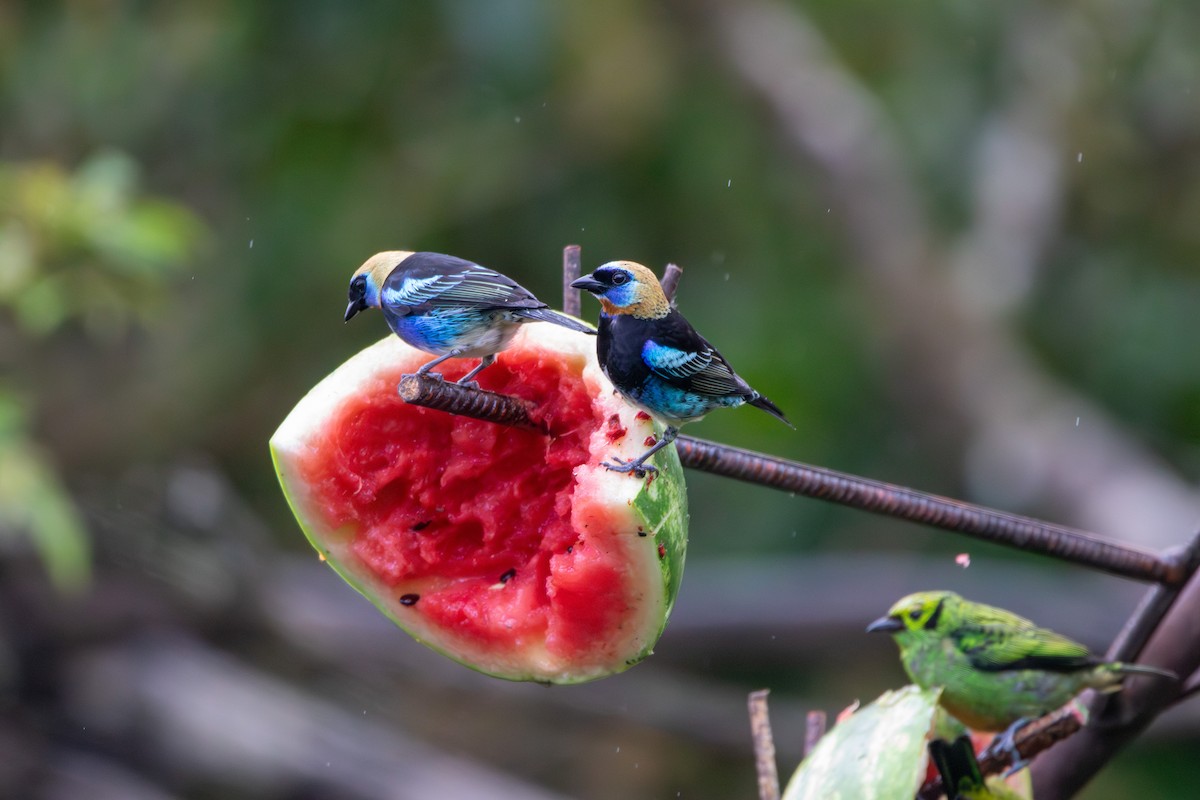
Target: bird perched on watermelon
(509, 550)
(657, 360)
(448, 306)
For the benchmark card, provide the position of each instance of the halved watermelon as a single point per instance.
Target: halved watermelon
(513, 552)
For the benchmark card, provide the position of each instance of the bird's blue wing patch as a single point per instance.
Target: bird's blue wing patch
(415, 291)
(477, 287)
(702, 371)
(671, 362)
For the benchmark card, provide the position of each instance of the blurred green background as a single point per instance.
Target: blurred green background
(956, 242)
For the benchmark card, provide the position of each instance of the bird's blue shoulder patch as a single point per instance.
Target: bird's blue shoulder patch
(674, 362)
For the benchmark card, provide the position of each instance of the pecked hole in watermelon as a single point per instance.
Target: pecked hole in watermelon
(473, 518)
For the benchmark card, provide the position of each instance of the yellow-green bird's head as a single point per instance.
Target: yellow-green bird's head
(367, 281)
(920, 614)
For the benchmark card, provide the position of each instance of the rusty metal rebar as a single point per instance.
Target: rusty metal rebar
(436, 393)
(1026, 533)
(1012, 530)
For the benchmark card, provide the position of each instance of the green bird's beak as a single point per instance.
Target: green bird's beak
(886, 625)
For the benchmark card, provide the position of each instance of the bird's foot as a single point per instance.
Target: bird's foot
(636, 466)
(1005, 744)
(468, 384)
(433, 376)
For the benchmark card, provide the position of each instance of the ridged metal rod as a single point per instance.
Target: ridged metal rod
(1025, 533)
(437, 393)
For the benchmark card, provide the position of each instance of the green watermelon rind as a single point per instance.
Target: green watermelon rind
(657, 507)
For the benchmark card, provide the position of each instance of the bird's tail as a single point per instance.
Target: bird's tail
(759, 401)
(957, 764)
(1142, 669)
(548, 315)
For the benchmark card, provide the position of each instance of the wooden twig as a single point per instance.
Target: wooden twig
(764, 746)
(814, 729)
(670, 281)
(571, 270)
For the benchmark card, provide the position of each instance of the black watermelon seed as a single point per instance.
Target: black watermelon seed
(409, 599)
(420, 526)
(508, 575)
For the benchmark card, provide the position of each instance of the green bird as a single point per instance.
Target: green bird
(996, 669)
(960, 772)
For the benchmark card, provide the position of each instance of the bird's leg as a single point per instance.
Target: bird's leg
(638, 466)
(424, 368)
(1006, 742)
(484, 363)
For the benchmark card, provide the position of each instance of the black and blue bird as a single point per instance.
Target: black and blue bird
(447, 306)
(656, 359)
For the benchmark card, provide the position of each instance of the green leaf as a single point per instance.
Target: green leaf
(35, 504)
(877, 754)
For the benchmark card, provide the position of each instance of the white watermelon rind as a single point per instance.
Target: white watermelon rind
(657, 507)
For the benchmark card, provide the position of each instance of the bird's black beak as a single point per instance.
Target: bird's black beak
(886, 625)
(357, 304)
(589, 284)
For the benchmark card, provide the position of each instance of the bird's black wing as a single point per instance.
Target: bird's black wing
(677, 354)
(426, 281)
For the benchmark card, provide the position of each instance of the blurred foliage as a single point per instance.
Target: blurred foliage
(81, 247)
(33, 502)
(84, 246)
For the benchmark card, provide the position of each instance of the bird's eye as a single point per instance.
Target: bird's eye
(915, 614)
(359, 282)
(618, 278)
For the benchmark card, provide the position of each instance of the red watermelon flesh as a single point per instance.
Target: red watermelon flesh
(510, 550)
